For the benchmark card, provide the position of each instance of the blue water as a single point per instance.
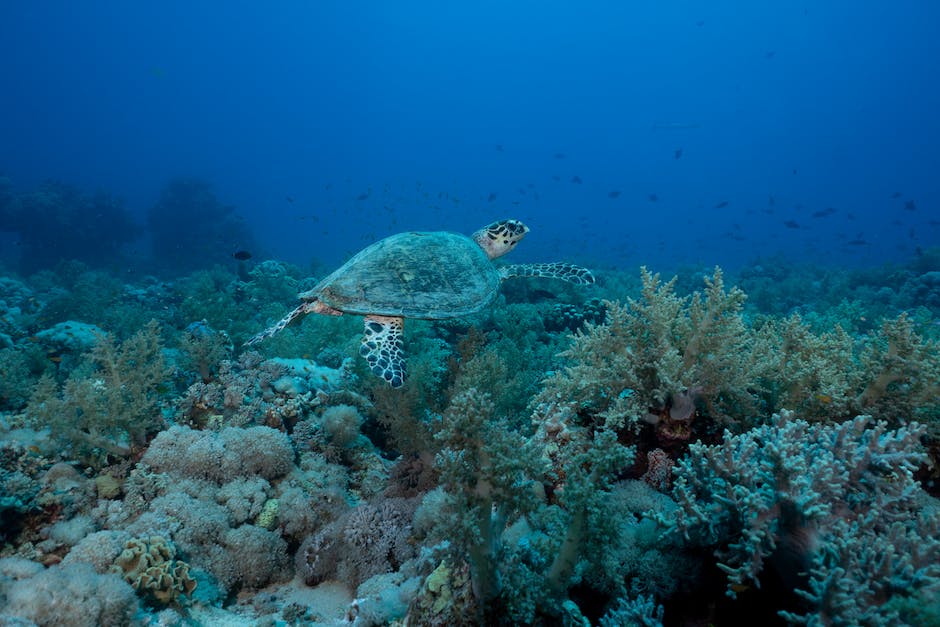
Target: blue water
(325, 125)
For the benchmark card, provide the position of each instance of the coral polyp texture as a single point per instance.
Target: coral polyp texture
(641, 451)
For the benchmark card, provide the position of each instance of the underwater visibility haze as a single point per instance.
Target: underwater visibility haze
(492, 313)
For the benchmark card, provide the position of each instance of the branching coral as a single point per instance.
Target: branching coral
(111, 404)
(487, 471)
(902, 374)
(816, 491)
(653, 350)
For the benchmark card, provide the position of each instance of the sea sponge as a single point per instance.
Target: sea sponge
(149, 565)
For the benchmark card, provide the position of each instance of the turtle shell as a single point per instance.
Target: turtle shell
(413, 275)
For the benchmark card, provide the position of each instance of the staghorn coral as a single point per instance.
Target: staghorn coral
(642, 611)
(820, 492)
(876, 571)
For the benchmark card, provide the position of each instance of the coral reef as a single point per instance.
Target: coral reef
(58, 221)
(631, 456)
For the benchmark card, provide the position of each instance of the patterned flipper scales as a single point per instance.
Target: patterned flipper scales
(564, 271)
(383, 348)
(296, 314)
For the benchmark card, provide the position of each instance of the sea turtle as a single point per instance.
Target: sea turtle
(430, 276)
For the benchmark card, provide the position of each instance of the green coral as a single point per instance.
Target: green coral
(486, 470)
(268, 516)
(110, 403)
(656, 348)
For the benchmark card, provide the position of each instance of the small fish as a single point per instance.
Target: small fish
(499, 148)
(896, 195)
(722, 204)
(825, 399)
(491, 197)
(857, 242)
(555, 177)
(576, 179)
(677, 153)
(289, 199)
(791, 224)
(822, 213)
(653, 197)
(362, 196)
(613, 194)
(242, 255)
(770, 54)
(559, 155)
(910, 205)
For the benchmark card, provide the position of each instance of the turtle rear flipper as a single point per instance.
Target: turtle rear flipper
(383, 348)
(564, 271)
(296, 314)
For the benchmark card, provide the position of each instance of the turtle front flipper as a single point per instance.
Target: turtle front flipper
(383, 348)
(564, 271)
(296, 314)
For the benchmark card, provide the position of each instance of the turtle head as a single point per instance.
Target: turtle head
(500, 237)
